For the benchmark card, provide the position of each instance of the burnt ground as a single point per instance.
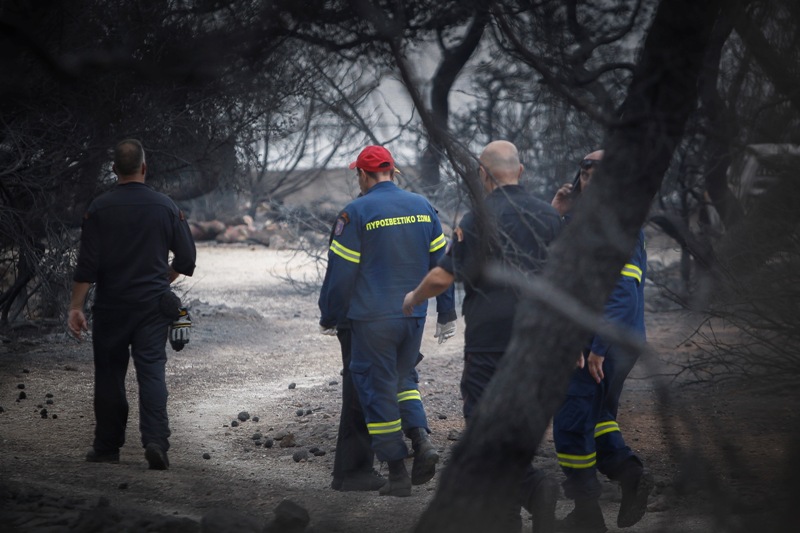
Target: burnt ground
(719, 453)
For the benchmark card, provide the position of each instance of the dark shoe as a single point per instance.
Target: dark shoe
(93, 456)
(636, 486)
(425, 456)
(156, 457)
(587, 519)
(396, 486)
(359, 482)
(542, 505)
(399, 483)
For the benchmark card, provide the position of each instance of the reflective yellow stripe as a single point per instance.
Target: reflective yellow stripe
(632, 271)
(438, 242)
(605, 427)
(345, 253)
(409, 395)
(577, 461)
(381, 428)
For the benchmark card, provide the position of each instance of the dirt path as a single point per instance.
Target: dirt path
(254, 336)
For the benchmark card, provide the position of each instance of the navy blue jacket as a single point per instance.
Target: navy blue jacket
(127, 235)
(383, 244)
(525, 227)
(625, 306)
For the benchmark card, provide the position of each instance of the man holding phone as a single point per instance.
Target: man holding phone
(586, 434)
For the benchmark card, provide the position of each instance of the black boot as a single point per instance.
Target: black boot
(542, 505)
(359, 481)
(585, 518)
(425, 456)
(399, 483)
(636, 483)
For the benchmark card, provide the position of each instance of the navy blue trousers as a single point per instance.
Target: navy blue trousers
(118, 336)
(384, 354)
(479, 368)
(585, 429)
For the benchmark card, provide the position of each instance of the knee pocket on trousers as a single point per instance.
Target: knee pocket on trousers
(575, 415)
(360, 374)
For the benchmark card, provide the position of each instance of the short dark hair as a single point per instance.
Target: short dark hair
(128, 157)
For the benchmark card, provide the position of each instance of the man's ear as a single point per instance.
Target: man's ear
(144, 168)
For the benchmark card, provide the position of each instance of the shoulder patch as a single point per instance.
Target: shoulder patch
(341, 222)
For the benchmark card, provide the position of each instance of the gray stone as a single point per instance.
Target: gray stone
(289, 517)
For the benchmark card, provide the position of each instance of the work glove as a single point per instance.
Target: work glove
(179, 330)
(445, 331)
(327, 331)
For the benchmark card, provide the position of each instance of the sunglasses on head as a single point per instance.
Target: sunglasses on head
(586, 164)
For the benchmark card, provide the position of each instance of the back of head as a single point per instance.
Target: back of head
(374, 159)
(501, 160)
(597, 155)
(128, 157)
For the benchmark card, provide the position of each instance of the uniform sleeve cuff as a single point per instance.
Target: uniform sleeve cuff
(447, 316)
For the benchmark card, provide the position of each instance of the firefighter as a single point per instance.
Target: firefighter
(525, 226)
(353, 461)
(383, 243)
(585, 430)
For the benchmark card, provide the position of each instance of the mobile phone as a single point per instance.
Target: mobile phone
(576, 184)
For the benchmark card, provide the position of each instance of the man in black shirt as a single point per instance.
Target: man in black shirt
(127, 235)
(524, 226)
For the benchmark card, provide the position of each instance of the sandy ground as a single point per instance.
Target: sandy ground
(255, 335)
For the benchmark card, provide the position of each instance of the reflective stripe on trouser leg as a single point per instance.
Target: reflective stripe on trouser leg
(382, 351)
(573, 434)
(566, 460)
(412, 411)
(611, 448)
(383, 428)
(603, 428)
(609, 442)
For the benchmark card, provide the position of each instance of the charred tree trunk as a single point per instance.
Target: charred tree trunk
(452, 64)
(486, 466)
(721, 129)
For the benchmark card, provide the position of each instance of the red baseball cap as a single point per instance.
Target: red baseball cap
(374, 159)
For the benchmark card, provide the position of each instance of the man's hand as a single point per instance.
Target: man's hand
(445, 331)
(328, 331)
(562, 201)
(408, 304)
(179, 330)
(581, 361)
(595, 363)
(77, 323)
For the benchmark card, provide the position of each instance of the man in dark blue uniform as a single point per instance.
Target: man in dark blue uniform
(385, 242)
(525, 226)
(353, 461)
(127, 235)
(585, 430)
